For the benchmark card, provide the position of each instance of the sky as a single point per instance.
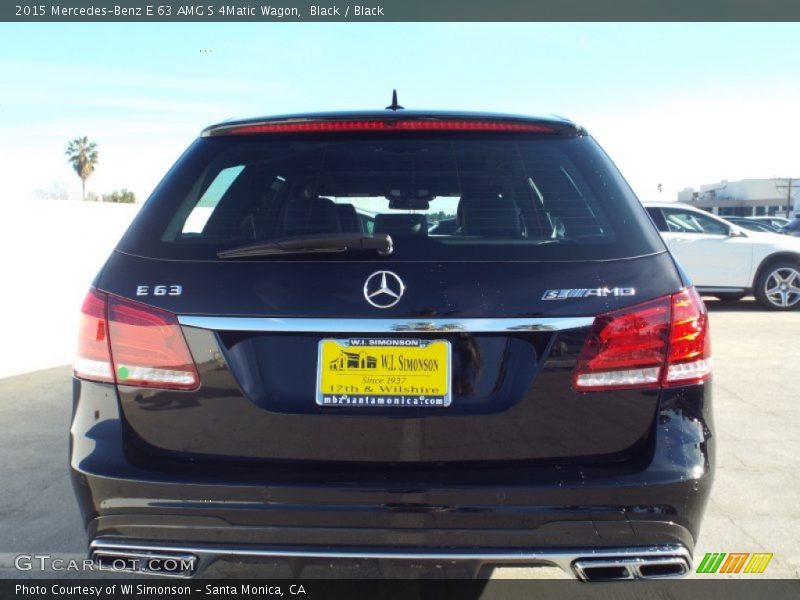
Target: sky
(673, 104)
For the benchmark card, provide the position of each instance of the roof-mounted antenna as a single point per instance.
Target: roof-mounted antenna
(394, 105)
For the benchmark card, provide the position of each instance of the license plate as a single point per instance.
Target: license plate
(383, 373)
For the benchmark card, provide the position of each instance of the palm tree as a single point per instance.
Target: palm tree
(82, 155)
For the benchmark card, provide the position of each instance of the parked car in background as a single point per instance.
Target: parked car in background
(725, 261)
(774, 220)
(753, 225)
(792, 228)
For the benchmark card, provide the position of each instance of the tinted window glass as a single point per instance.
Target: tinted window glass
(689, 221)
(456, 197)
(658, 218)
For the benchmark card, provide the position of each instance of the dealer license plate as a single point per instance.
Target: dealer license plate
(383, 373)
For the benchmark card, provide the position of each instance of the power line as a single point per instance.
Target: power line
(790, 185)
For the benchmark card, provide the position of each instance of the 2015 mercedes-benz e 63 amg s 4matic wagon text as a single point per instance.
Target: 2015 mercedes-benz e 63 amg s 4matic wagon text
(392, 339)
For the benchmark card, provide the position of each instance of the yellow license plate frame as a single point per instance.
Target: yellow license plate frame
(370, 372)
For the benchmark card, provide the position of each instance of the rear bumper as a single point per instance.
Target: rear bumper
(553, 518)
(587, 564)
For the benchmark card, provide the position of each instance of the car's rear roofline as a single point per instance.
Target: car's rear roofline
(433, 119)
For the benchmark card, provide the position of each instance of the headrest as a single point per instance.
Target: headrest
(489, 216)
(402, 223)
(304, 216)
(348, 219)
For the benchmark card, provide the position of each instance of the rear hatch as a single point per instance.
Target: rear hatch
(317, 344)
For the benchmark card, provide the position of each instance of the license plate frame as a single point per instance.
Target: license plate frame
(388, 379)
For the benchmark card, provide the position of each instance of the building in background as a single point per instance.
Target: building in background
(746, 197)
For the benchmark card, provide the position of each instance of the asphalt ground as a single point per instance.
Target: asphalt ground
(754, 507)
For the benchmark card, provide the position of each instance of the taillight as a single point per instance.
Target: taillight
(662, 342)
(147, 347)
(93, 358)
(689, 358)
(385, 125)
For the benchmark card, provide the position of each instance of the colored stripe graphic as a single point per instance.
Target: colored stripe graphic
(734, 562)
(714, 562)
(758, 563)
(710, 562)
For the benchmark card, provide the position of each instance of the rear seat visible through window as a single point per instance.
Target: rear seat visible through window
(498, 197)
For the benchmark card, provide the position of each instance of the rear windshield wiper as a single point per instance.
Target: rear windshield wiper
(310, 244)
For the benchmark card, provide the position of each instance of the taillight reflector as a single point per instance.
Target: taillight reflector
(388, 125)
(662, 342)
(93, 358)
(144, 346)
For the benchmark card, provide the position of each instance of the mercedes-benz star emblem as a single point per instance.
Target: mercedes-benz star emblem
(383, 289)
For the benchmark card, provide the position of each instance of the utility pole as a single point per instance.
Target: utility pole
(790, 186)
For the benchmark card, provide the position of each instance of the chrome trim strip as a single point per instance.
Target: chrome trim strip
(711, 290)
(404, 325)
(566, 559)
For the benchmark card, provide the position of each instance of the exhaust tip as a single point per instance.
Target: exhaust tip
(631, 567)
(664, 567)
(604, 572)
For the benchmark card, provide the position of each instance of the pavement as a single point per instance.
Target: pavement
(754, 507)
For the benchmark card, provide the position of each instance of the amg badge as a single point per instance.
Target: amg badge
(588, 292)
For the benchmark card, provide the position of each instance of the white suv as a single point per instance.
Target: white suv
(725, 261)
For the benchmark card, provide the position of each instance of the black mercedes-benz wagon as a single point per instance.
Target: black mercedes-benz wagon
(395, 342)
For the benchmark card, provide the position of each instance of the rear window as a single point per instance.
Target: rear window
(458, 196)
